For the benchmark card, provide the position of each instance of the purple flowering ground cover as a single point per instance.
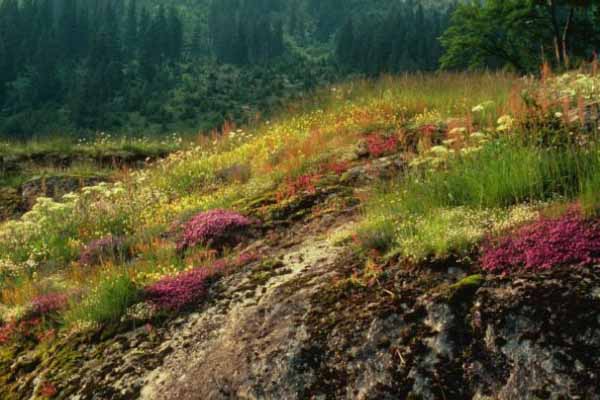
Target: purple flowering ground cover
(174, 293)
(48, 303)
(213, 228)
(546, 243)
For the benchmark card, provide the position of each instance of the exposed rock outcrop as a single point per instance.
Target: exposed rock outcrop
(303, 323)
(307, 320)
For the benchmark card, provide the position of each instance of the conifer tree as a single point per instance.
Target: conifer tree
(345, 44)
(131, 28)
(175, 34)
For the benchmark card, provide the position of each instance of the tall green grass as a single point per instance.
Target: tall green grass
(108, 301)
(589, 197)
(437, 212)
(501, 175)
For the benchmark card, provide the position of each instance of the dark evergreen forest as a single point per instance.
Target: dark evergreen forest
(152, 66)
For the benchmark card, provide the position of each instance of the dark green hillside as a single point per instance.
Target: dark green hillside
(78, 67)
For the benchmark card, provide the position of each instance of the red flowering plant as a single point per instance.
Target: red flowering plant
(215, 229)
(379, 145)
(38, 321)
(337, 167)
(48, 390)
(546, 243)
(303, 184)
(6, 332)
(30, 328)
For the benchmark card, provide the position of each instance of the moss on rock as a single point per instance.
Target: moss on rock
(10, 202)
(464, 290)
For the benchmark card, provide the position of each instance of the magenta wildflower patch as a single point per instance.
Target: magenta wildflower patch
(6, 332)
(29, 328)
(568, 240)
(174, 293)
(214, 228)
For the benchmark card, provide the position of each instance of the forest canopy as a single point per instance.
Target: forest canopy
(132, 66)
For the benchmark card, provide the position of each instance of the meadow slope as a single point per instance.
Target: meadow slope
(421, 236)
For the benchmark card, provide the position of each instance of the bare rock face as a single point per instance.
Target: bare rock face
(295, 327)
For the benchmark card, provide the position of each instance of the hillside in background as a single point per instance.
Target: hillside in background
(77, 67)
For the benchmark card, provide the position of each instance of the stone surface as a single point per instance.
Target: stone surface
(307, 321)
(301, 325)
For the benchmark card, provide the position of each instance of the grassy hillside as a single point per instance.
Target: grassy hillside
(55, 166)
(476, 155)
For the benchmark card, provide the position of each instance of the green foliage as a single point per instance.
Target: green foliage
(150, 205)
(444, 213)
(521, 34)
(378, 234)
(502, 174)
(147, 66)
(404, 39)
(75, 56)
(463, 290)
(440, 233)
(589, 199)
(107, 303)
(245, 32)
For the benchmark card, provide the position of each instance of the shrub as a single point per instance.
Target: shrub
(547, 243)
(47, 304)
(108, 248)
(216, 228)
(174, 293)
